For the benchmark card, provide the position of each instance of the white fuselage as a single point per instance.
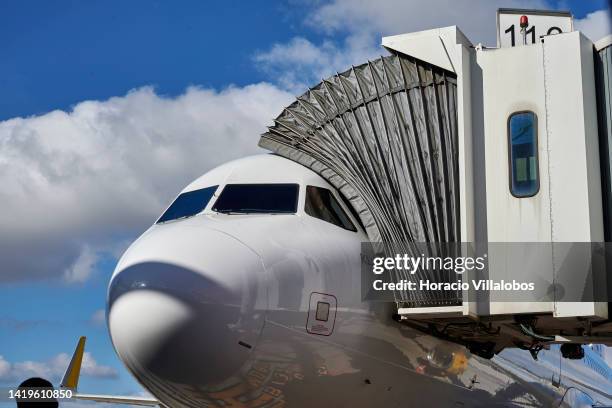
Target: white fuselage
(222, 309)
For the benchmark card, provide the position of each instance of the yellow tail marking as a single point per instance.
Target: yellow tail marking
(71, 378)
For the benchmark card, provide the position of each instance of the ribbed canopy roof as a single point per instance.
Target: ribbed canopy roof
(385, 134)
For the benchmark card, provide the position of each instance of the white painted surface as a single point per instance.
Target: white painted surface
(437, 46)
(511, 82)
(541, 23)
(572, 134)
(604, 42)
(575, 180)
(553, 79)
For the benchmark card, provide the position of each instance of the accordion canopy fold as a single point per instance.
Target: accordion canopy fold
(384, 133)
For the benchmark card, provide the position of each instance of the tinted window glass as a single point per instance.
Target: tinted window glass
(321, 203)
(258, 198)
(523, 146)
(188, 204)
(351, 209)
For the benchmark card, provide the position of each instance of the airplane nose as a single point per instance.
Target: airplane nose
(185, 308)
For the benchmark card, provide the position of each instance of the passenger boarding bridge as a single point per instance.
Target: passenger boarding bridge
(446, 141)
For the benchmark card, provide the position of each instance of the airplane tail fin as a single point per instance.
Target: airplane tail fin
(71, 377)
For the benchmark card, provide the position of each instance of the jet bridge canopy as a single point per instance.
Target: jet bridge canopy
(385, 134)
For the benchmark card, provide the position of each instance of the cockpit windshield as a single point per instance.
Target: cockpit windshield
(258, 198)
(188, 204)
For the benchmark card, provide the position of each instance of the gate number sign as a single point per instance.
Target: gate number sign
(540, 23)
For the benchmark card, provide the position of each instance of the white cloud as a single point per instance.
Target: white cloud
(476, 18)
(98, 318)
(91, 368)
(361, 23)
(5, 367)
(52, 369)
(82, 267)
(78, 185)
(595, 25)
(300, 63)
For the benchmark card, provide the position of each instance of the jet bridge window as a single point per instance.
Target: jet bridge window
(258, 198)
(188, 204)
(321, 203)
(523, 154)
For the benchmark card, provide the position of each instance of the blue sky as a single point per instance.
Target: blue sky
(62, 53)
(107, 109)
(58, 54)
